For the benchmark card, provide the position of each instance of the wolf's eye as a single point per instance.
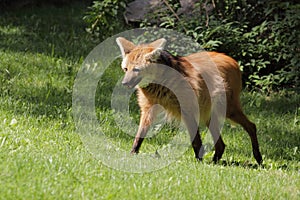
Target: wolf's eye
(135, 69)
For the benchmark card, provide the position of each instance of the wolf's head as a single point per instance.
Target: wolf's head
(136, 58)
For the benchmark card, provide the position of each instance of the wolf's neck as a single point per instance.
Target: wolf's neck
(175, 62)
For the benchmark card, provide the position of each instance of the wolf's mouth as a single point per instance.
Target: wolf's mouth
(133, 83)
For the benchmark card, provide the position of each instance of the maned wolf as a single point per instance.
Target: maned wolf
(198, 71)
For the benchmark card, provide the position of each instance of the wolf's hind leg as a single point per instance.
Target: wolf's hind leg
(214, 128)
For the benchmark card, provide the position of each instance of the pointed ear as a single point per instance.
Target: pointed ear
(158, 47)
(125, 46)
(160, 43)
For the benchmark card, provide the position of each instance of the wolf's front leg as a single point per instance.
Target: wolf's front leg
(142, 132)
(193, 129)
(147, 117)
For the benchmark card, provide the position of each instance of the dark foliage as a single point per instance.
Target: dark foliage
(19, 4)
(262, 35)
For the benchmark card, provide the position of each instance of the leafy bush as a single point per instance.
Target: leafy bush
(105, 18)
(263, 35)
(19, 4)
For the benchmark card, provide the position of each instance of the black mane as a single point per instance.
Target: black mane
(175, 62)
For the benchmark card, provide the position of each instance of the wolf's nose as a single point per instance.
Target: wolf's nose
(125, 83)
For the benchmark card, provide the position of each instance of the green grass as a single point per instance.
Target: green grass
(43, 157)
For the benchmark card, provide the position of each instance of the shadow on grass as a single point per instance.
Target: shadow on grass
(282, 102)
(49, 102)
(43, 33)
(267, 166)
(278, 121)
(49, 30)
(240, 164)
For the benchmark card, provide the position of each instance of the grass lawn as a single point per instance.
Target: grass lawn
(43, 157)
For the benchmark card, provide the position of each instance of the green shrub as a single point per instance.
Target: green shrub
(105, 18)
(262, 35)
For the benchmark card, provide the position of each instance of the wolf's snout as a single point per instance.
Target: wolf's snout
(125, 83)
(131, 82)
